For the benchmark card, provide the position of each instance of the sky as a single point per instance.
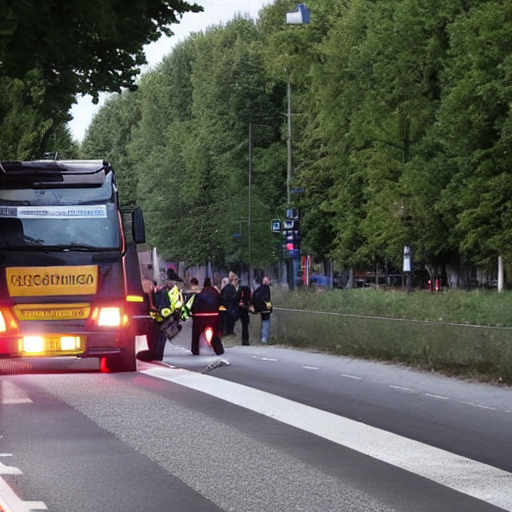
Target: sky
(215, 12)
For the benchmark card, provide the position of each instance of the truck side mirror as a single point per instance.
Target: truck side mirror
(138, 226)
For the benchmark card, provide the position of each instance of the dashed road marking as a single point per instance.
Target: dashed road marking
(480, 406)
(439, 397)
(348, 376)
(401, 388)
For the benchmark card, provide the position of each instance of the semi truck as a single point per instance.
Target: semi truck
(70, 284)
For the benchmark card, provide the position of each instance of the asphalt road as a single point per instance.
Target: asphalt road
(272, 430)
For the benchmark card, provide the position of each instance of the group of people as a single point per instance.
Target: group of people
(209, 305)
(238, 301)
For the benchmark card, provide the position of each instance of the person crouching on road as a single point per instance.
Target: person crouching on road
(205, 313)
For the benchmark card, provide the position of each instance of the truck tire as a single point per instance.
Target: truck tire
(123, 362)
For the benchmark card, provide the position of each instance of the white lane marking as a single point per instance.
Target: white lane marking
(470, 477)
(9, 501)
(401, 388)
(355, 377)
(440, 397)
(11, 394)
(481, 406)
(311, 367)
(265, 358)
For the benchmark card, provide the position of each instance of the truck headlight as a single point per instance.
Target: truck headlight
(33, 344)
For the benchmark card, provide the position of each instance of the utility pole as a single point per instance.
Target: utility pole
(249, 207)
(289, 143)
(299, 17)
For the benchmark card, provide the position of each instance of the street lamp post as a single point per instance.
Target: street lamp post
(289, 142)
(300, 17)
(249, 207)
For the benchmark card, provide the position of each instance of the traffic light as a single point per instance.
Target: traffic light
(291, 225)
(292, 236)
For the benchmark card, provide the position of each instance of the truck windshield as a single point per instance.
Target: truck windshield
(77, 227)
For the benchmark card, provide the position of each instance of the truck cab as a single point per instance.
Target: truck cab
(70, 283)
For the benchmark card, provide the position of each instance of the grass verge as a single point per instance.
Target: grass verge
(467, 334)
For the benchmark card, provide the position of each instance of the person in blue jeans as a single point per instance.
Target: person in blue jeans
(261, 304)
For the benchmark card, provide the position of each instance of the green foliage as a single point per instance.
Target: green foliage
(459, 333)
(51, 51)
(82, 47)
(478, 307)
(109, 136)
(26, 130)
(186, 144)
(475, 125)
(401, 132)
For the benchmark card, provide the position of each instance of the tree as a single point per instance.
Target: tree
(82, 46)
(401, 134)
(109, 136)
(26, 131)
(188, 147)
(51, 51)
(475, 126)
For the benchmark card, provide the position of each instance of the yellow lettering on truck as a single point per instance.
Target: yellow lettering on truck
(42, 281)
(52, 311)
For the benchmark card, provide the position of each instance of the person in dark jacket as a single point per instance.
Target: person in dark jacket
(229, 300)
(244, 302)
(155, 337)
(205, 313)
(260, 303)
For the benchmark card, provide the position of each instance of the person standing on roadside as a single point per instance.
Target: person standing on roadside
(260, 303)
(223, 309)
(229, 300)
(244, 302)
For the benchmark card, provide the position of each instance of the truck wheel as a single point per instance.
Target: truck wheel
(123, 362)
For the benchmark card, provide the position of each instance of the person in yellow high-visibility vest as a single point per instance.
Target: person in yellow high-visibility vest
(167, 309)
